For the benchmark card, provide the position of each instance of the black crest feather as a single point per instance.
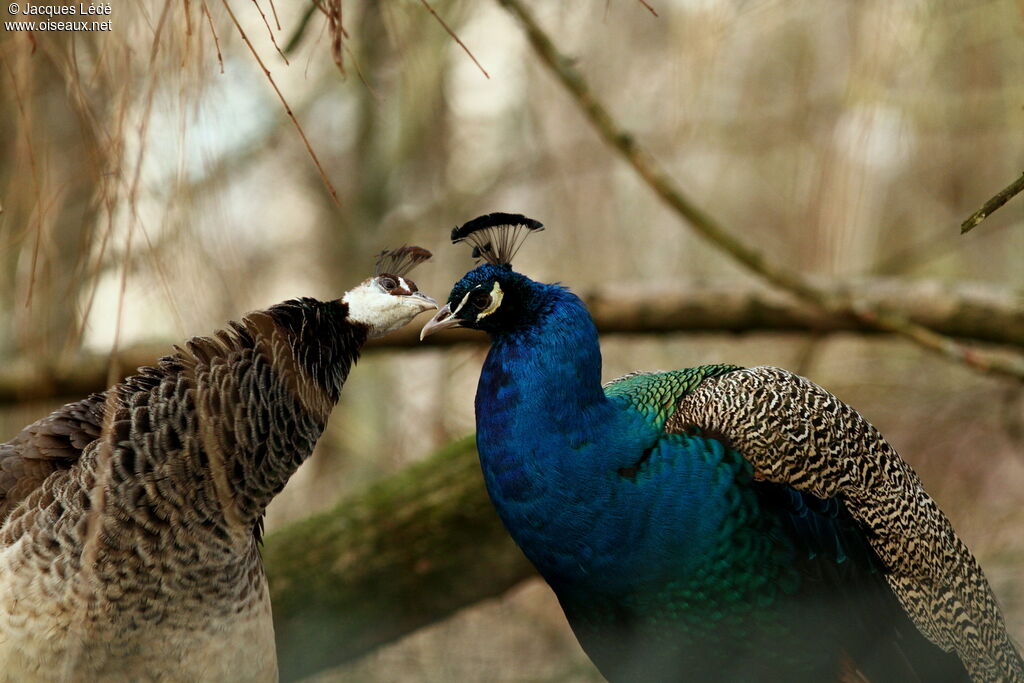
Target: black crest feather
(496, 237)
(401, 260)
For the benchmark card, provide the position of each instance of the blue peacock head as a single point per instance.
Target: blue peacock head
(492, 297)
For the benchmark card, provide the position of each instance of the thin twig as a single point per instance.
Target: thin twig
(336, 25)
(213, 30)
(658, 180)
(287, 108)
(362, 78)
(1005, 195)
(133, 194)
(270, 31)
(649, 8)
(273, 10)
(455, 38)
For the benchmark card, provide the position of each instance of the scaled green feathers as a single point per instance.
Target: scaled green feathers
(657, 394)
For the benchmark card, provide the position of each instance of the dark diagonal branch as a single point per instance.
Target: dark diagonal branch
(972, 312)
(986, 210)
(300, 30)
(648, 168)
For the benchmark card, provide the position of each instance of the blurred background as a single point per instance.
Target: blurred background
(152, 186)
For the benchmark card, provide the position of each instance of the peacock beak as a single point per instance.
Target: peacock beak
(443, 320)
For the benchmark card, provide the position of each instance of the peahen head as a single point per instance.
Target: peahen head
(389, 299)
(492, 297)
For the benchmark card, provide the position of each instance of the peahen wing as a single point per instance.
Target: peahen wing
(798, 434)
(48, 445)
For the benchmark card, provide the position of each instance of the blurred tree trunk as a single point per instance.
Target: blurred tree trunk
(396, 158)
(396, 75)
(49, 191)
(407, 552)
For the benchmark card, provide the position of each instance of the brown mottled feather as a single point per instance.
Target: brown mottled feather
(797, 433)
(126, 540)
(46, 446)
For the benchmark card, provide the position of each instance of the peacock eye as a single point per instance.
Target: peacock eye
(388, 283)
(480, 300)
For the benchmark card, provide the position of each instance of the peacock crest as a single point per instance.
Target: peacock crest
(496, 237)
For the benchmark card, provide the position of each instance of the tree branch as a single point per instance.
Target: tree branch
(287, 108)
(407, 552)
(658, 180)
(1005, 195)
(979, 313)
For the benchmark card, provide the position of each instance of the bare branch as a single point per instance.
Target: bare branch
(270, 31)
(455, 37)
(213, 30)
(978, 313)
(336, 27)
(274, 12)
(704, 224)
(287, 108)
(986, 210)
(648, 7)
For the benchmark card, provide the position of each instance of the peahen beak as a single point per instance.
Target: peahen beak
(426, 302)
(443, 320)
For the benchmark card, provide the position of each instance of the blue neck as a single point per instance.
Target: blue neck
(548, 437)
(558, 356)
(542, 378)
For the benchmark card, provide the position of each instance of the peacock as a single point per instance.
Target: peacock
(715, 523)
(130, 520)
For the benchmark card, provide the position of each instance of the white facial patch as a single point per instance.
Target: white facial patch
(496, 295)
(403, 286)
(380, 311)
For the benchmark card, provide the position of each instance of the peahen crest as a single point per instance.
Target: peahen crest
(400, 261)
(496, 237)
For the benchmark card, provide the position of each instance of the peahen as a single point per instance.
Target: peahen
(715, 523)
(129, 521)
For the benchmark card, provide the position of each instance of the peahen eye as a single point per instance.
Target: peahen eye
(388, 283)
(480, 300)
